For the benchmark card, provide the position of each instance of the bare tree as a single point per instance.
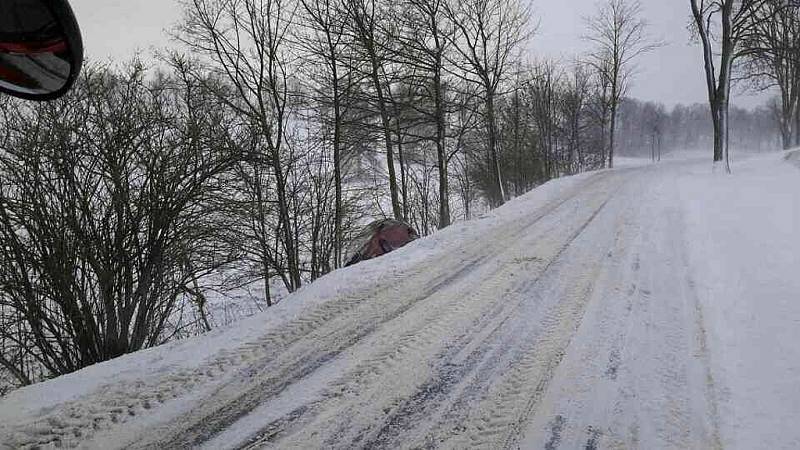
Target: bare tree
(620, 37)
(427, 37)
(599, 108)
(654, 119)
(726, 23)
(774, 62)
(327, 45)
(489, 36)
(544, 90)
(574, 104)
(245, 42)
(104, 197)
(465, 124)
(371, 41)
(520, 160)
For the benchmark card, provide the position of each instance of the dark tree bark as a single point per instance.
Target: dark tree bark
(365, 15)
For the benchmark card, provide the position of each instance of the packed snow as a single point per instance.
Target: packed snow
(649, 306)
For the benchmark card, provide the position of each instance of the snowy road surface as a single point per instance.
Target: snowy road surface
(651, 307)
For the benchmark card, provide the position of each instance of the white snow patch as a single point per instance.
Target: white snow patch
(744, 231)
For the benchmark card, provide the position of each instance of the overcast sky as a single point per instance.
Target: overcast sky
(116, 29)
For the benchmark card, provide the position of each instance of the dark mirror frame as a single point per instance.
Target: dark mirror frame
(66, 19)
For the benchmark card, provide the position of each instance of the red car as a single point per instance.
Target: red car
(381, 237)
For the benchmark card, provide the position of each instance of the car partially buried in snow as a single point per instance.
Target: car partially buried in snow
(381, 237)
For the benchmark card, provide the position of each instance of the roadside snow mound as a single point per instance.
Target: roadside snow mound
(641, 307)
(115, 391)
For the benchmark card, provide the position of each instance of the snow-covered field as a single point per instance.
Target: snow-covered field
(643, 307)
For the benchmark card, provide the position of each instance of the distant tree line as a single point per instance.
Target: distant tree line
(649, 129)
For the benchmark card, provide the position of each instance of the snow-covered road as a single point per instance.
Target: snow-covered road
(583, 315)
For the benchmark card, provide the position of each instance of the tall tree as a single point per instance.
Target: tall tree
(774, 62)
(372, 42)
(327, 44)
(428, 36)
(619, 35)
(573, 106)
(245, 42)
(727, 24)
(490, 33)
(544, 90)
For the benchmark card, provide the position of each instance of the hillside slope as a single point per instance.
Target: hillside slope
(650, 307)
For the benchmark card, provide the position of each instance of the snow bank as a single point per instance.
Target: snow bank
(744, 229)
(30, 402)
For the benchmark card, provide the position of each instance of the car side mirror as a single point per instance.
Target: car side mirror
(41, 51)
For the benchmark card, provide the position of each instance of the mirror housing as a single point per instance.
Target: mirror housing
(41, 51)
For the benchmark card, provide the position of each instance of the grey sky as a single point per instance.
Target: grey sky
(115, 29)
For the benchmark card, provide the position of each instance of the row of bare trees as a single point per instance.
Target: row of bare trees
(649, 129)
(256, 152)
(393, 69)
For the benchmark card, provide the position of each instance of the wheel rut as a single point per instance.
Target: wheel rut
(459, 360)
(304, 355)
(239, 379)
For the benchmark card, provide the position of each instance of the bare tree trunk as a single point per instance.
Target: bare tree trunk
(365, 25)
(796, 115)
(267, 290)
(202, 301)
(441, 150)
(603, 127)
(261, 229)
(723, 94)
(797, 124)
(337, 176)
(652, 147)
(659, 149)
(786, 129)
(403, 171)
(612, 127)
(337, 165)
(498, 194)
(286, 226)
(788, 107)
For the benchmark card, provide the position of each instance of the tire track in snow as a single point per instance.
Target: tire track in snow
(433, 330)
(507, 413)
(710, 404)
(682, 411)
(78, 421)
(508, 408)
(454, 427)
(635, 374)
(233, 401)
